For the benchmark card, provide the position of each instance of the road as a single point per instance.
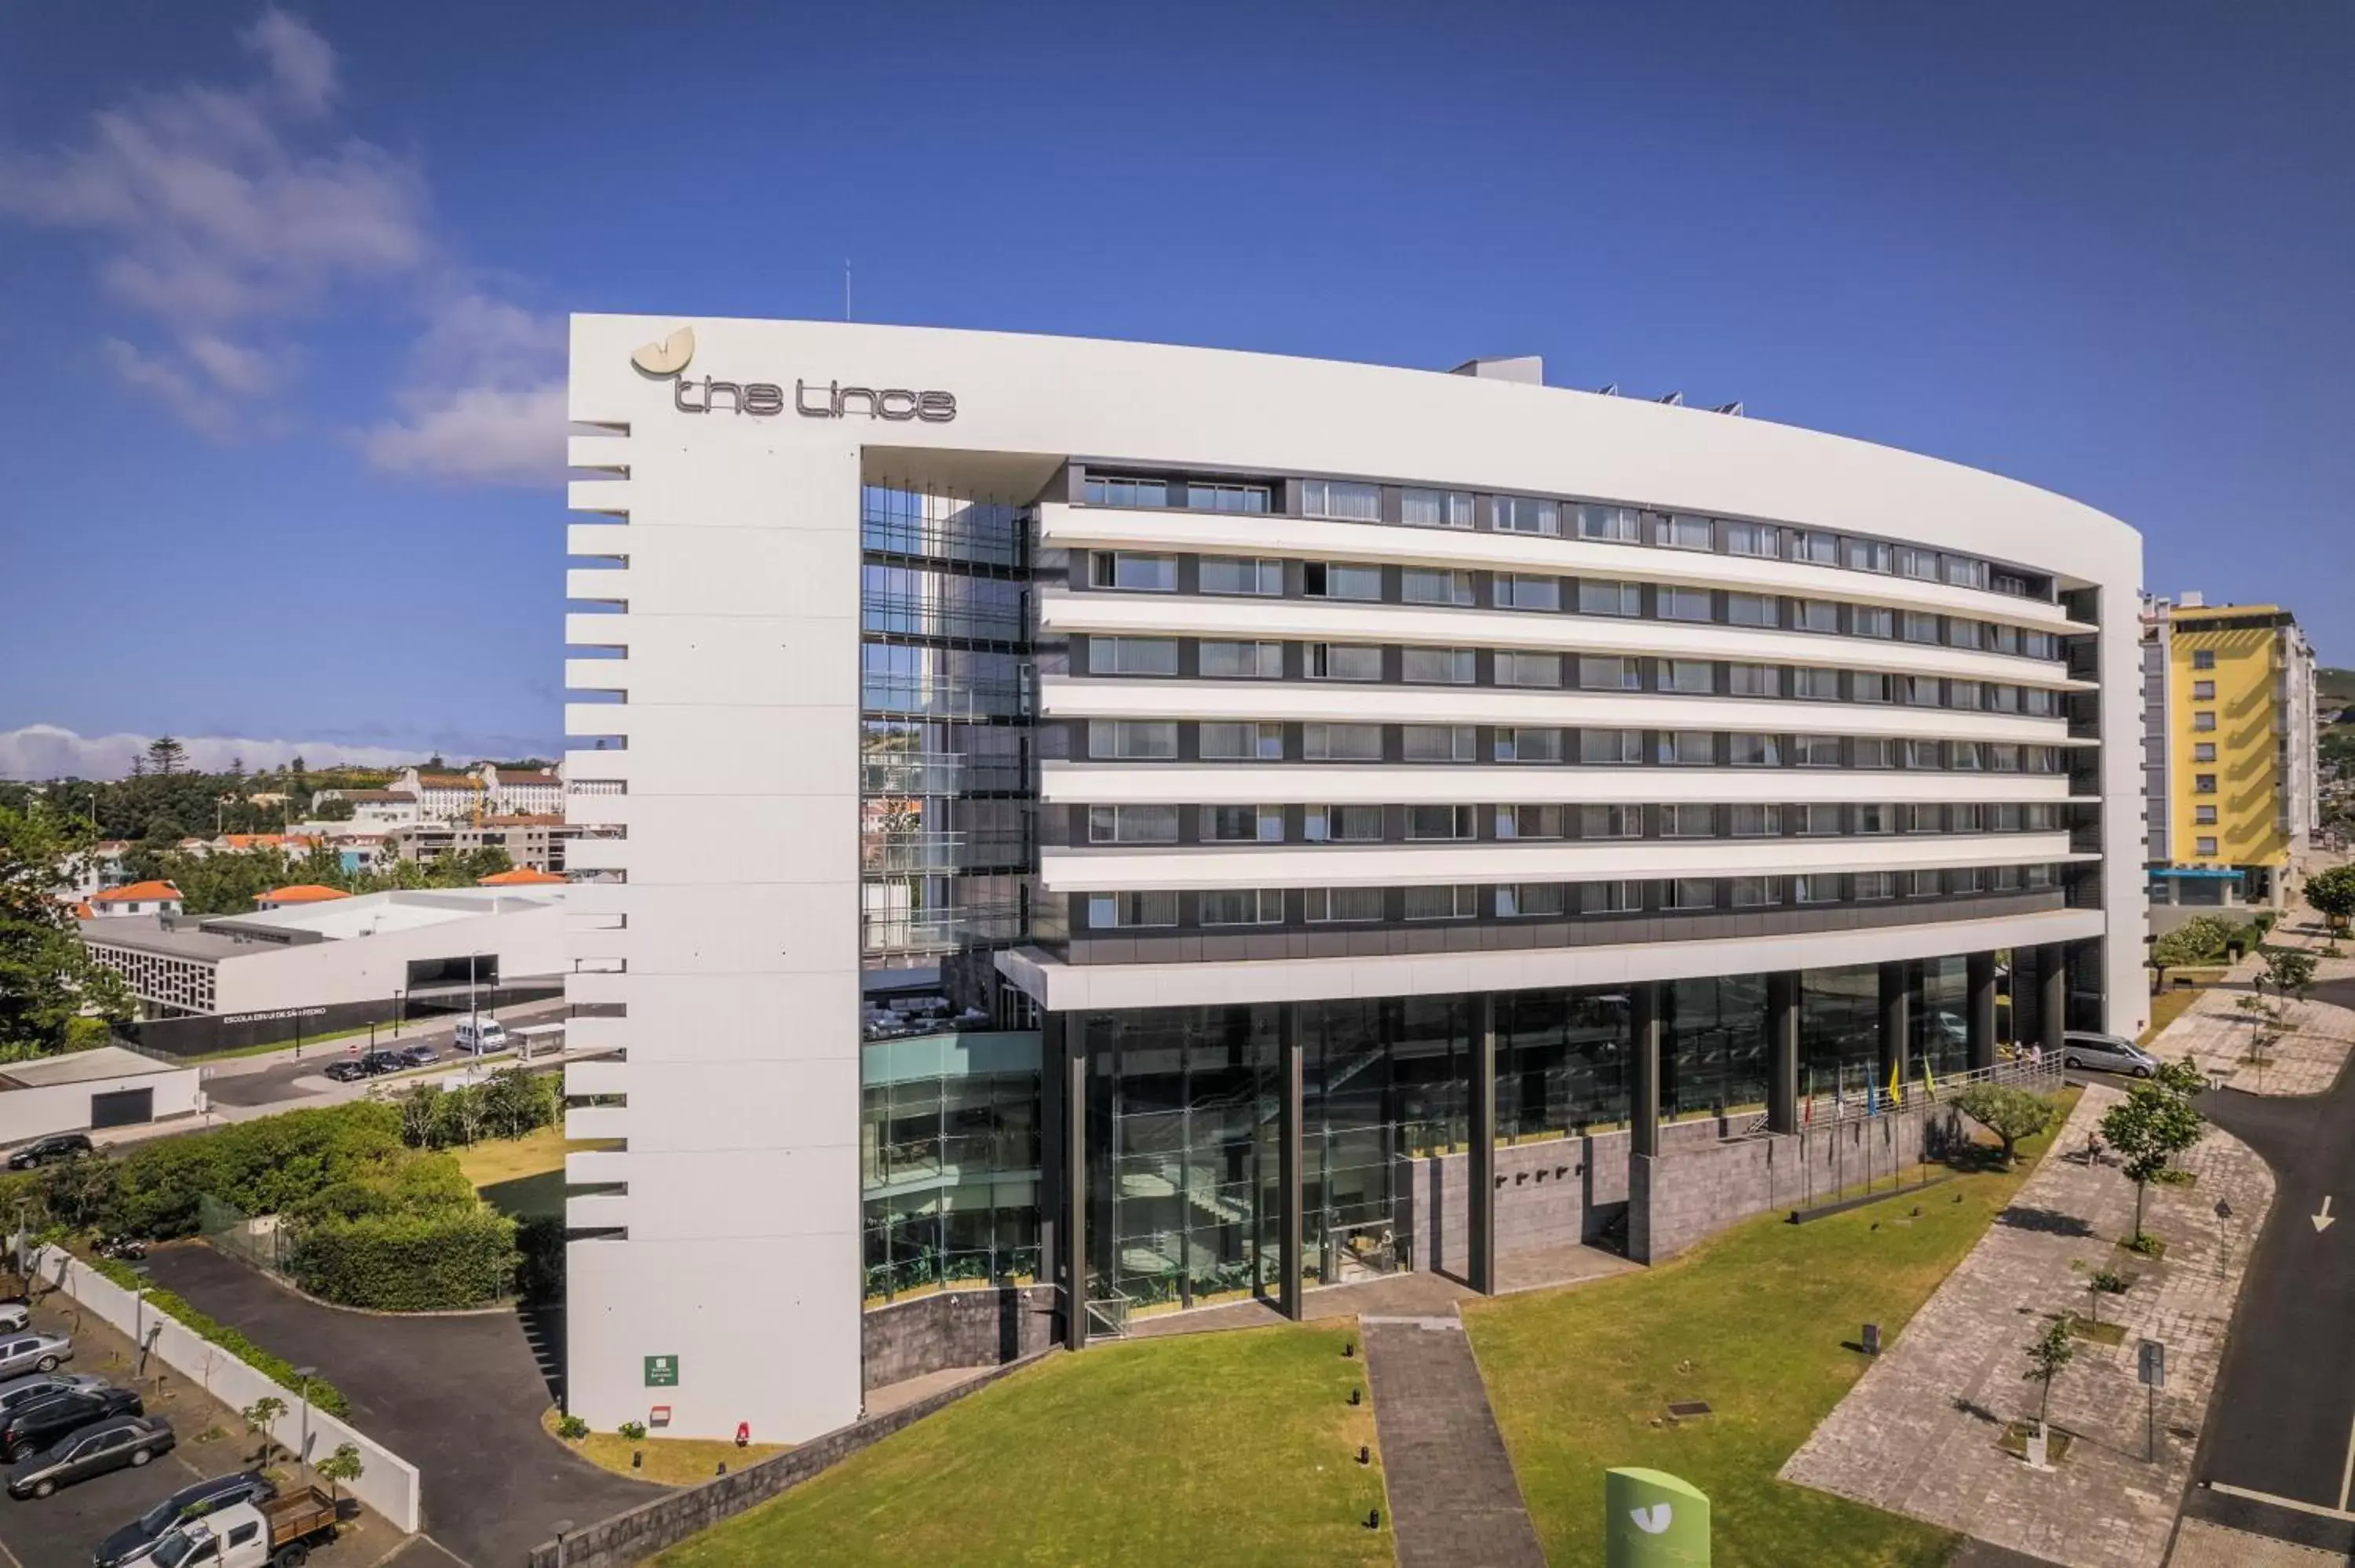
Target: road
(2282, 1424)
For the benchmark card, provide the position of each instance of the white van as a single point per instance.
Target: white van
(481, 1036)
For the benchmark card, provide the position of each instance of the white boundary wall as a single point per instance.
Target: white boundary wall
(387, 1484)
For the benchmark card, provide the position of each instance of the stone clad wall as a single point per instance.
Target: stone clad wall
(957, 1329)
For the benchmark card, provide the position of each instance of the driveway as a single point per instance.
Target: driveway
(459, 1397)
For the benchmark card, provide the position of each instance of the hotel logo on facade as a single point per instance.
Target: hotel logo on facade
(669, 360)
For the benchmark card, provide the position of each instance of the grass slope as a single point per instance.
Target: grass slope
(1229, 1448)
(1579, 1377)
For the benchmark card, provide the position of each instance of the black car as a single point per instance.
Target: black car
(134, 1541)
(375, 1062)
(120, 1443)
(19, 1391)
(63, 1146)
(348, 1070)
(37, 1423)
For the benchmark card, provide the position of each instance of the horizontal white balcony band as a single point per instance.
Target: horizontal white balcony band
(596, 628)
(605, 1076)
(1423, 784)
(1427, 626)
(597, 1211)
(1243, 533)
(597, 1121)
(609, 451)
(601, 585)
(1341, 702)
(606, 495)
(605, 541)
(1211, 867)
(1075, 988)
(584, 1166)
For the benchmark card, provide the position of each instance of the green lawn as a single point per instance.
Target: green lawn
(1581, 1378)
(1229, 1448)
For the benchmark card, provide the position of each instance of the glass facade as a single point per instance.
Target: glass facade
(1712, 1045)
(948, 1157)
(1839, 1030)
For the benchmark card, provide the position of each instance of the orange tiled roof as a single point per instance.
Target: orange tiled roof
(137, 893)
(300, 892)
(84, 912)
(521, 877)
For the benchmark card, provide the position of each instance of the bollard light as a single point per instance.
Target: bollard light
(1373, 1518)
(1365, 1455)
(1353, 1396)
(1349, 1348)
(637, 1458)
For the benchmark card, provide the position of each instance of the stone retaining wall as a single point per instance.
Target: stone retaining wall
(957, 1329)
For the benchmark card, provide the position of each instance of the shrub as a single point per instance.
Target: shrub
(573, 1428)
(2011, 1113)
(539, 1259)
(324, 1394)
(635, 1431)
(441, 1260)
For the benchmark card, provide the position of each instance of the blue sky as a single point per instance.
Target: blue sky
(247, 490)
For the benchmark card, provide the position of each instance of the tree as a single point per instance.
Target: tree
(166, 757)
(2048, 1354)
(2154, 1126)
(2181, 947)
(2011, 1113)
(53, 994)
(2331, 895)
(2183, 1078)
(336, 810)
(261, 1416)
(2290, 970)
(342, 1466)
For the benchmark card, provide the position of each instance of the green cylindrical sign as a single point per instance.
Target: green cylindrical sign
(1654, 1520)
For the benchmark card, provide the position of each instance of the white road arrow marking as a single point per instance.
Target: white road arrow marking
(2322, 1220)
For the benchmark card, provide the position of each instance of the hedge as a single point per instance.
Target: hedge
(440, 1260)
(326, 1395)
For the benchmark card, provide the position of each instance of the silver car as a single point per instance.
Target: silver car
(34, 1352)
(17, 1391)
(2109, 1053)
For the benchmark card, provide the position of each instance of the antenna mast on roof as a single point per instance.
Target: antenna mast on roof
(845, 288)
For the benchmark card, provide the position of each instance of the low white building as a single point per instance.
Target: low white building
(106, 1087)
(134, 899)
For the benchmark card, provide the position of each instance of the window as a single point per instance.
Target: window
(1683, 532)
(1872, 884)
(1963, 879)
(1438, 742)
(2004, 699)
(1342, 824)
(1755, 821)
(1964, 757)
(1521, 514)
(1963, 633)
(1611, 745)
(1341, 661)
(1437, 666)
(1925, 692)
(1140, 574)
(1530, 822)
(1874, 620)
(1869, 556)
(1442, 902)
(2203, 691)
(2203, 846)
(2002, 639)
(2041, 759)
(1201, 497)
(1696, 675)
(2045, 645)
(1610, 821)
(1754, 679)
(1132, 740)
(1920, 626)
(1242, 661)
(1762, 539)
(1920, 885)
(1816, 751)
(1612, 525)
(2036, 876)
(1756, 891)
(1441, 823)
(1516, 899)
(1922, 564)
(1529, 668)
(1518, 591)
(1964, 817)
(2204, 719)
(1132, 824)
(1117, 911)
(1244, 906)
(2002, 757)
(1815, 685)
(1610, 674)
(1815, 615)
(1529, 746)
(1332, 498)
(1823, 549)
(1132, 655)
(1610, 897)
(1225, 742)
(1242, 824)
(1873, 820)
(1331, 903)
(1921, 754)
(1434, 509)
(1688, 820)
(2007, 878)
(1752, 609)
(1333, 579)
(1688, 748)
(1691, 892)
(1429, 585)
(1966, 694)
(1922, 819)
(1755, 750)
(1597, 596)
(1816, 889)
(2203, 816)
(2038, 702)
(2203, 783)
(1126, 492)
(2202, 658)
(1875, 751)
(1684, 604)
(1819, 821)
(1342, 742)
(1242, 573)
(1969, 574)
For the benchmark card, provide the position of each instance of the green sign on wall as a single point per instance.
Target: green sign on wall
(662, 1371)
(1655, 1521)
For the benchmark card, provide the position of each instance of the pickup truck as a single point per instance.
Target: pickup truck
(278, 1533)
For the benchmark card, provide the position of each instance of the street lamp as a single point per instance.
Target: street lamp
(563, 1528)
(302, 1376)
(138, 1315)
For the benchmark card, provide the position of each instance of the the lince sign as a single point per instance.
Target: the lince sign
(831, 401)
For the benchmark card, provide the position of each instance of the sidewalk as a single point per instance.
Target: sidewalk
(2320, 1033)
(1453, 1496)
(1918, 1434)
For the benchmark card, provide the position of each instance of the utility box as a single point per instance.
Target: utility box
(1655, 1521)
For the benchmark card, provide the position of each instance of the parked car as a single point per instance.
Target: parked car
(135, 1541)
(37, 1423)
(278, 1533)
(348, 1070)
(418, 1055)
(118, 1442)
(37, 1385)
(16, 1316)
(34, 1352)
(41, 1150)
(374, 1063)
(2110, 1053)
(480, 1036)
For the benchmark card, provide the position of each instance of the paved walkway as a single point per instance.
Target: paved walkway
(1455, 1502)
(1918, 1434)
(2199, 1544)
(2319, 1031)
(1420, 1294)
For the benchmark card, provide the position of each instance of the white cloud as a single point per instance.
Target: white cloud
(300, 60)
(479, 435)
(46, 751)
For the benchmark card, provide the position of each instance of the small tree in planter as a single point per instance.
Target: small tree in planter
(2154, 1126)
(2290, 970)
(2048, 1354)
(261, 1416)
(2331, 895)
(2011, 1113)
(343, 1466)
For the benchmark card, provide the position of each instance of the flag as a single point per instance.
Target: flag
(1895, 1086)
(1929, 1083)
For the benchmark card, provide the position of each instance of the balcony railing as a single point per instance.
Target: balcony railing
(944, 698)
(939, 773)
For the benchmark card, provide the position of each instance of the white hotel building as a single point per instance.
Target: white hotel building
(1319, 773)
